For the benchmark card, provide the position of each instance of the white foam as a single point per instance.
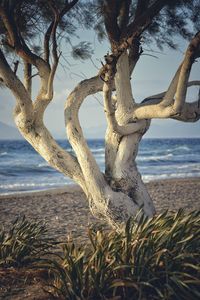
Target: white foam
(32, 184)
(154, 157)
(43, 165)
(181, 148)
(148, 178)
(100, 155)
(3, 153)
(94, 150)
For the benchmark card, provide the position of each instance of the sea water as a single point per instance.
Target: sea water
(23, 169)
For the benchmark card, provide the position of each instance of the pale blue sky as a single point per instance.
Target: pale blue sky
(151, 76)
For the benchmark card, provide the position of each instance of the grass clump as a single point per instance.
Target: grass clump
(150, 259)
(24, 243)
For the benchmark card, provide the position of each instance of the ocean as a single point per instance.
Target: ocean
(22, 169)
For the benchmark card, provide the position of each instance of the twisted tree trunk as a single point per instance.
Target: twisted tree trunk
(120, 193)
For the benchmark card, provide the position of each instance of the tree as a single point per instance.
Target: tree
(120, 192)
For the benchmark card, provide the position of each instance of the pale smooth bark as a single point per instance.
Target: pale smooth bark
(121, 153)
(107, 201)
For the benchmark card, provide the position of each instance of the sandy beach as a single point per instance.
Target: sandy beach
(66, 211)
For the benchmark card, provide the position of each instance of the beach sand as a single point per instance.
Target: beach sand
(66, 211)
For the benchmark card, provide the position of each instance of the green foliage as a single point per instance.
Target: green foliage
(32, 18)
(178, 19)
(82, 51)
(23, 243)
(149, 259)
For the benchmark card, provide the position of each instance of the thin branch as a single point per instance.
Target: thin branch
(28, 77)
(139, 24)
(146, 54)
(191, 53)
(16, 64)
(34, 75)
(51, 33)
(67, 7)
(159, 97)
(46, 42)
(49, 94)
(17, 43)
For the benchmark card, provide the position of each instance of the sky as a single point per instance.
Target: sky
(151, 76)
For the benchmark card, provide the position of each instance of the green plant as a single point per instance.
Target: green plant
(149, 259)
(23, 243)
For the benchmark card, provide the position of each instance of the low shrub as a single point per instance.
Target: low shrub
(23, 243)
(157, 258)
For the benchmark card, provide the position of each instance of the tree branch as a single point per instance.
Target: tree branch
(16, 41)
(113, 125)
(170, 93)
(192, 52)
(123, 17)
(141, 22)
(55, 56)
(45, 96)
(47, 37)
(169, 107)
(111, 13)
(133, 32)
(124, 96)
(158, 97)
(67, 7)
(190, 111)
(28, 77)
(142, 5)
(48, 33)
(89, 167)
(16, 87)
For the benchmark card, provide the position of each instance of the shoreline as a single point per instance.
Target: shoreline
(65, 188)
(65, 210)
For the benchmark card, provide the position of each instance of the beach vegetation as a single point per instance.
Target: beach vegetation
(33, 36)
(23, 243)
(154, 258)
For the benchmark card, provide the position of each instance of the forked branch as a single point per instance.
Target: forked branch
(17, 43)
(190, 111)
(113, 125)
(171, 105)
